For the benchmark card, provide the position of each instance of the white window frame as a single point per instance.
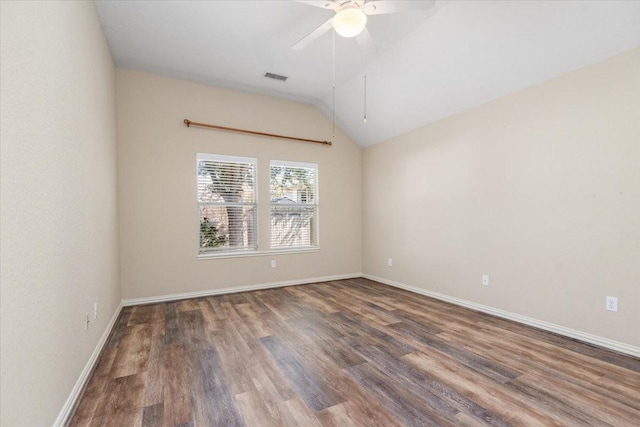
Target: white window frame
(315, 206)
(228, 251)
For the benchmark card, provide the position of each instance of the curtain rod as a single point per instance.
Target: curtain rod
(189, 123)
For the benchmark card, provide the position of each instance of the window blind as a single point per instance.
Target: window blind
(227, 203)
(294, 205)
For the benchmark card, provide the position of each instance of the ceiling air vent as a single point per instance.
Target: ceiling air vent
(276, 76)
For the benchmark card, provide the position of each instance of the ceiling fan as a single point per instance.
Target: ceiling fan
(350, 19)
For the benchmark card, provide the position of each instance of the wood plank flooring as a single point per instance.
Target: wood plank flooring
(348, 353)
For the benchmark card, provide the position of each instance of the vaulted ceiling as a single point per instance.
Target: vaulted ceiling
(426, 64)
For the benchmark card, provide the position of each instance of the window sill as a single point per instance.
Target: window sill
(271, 252)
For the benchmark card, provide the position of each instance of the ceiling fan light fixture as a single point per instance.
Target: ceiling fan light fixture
(349, 22)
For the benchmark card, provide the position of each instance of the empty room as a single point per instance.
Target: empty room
(320, 213)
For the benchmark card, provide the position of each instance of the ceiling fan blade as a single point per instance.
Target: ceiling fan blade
(324, 4)
(381, 7)
(365, 41)
(313, 35)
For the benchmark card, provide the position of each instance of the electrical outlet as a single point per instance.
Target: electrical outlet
(390, 262)
(612, 304)
(86, 321)
(95, 310)
(274, 264)
(485, 280)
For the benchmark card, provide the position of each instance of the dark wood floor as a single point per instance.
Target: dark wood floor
(350, 352)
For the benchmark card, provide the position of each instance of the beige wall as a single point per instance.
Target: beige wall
(157, 178)
(540, 190)
(59, 215)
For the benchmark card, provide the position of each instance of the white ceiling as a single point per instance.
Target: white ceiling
(428, 64)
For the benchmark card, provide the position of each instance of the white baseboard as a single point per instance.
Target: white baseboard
(551, 327)
(67, 409)
(233, 289)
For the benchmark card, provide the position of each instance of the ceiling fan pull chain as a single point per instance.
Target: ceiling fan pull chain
(365, 98)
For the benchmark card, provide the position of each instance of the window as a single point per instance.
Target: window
(227, 203)
(294, 205)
